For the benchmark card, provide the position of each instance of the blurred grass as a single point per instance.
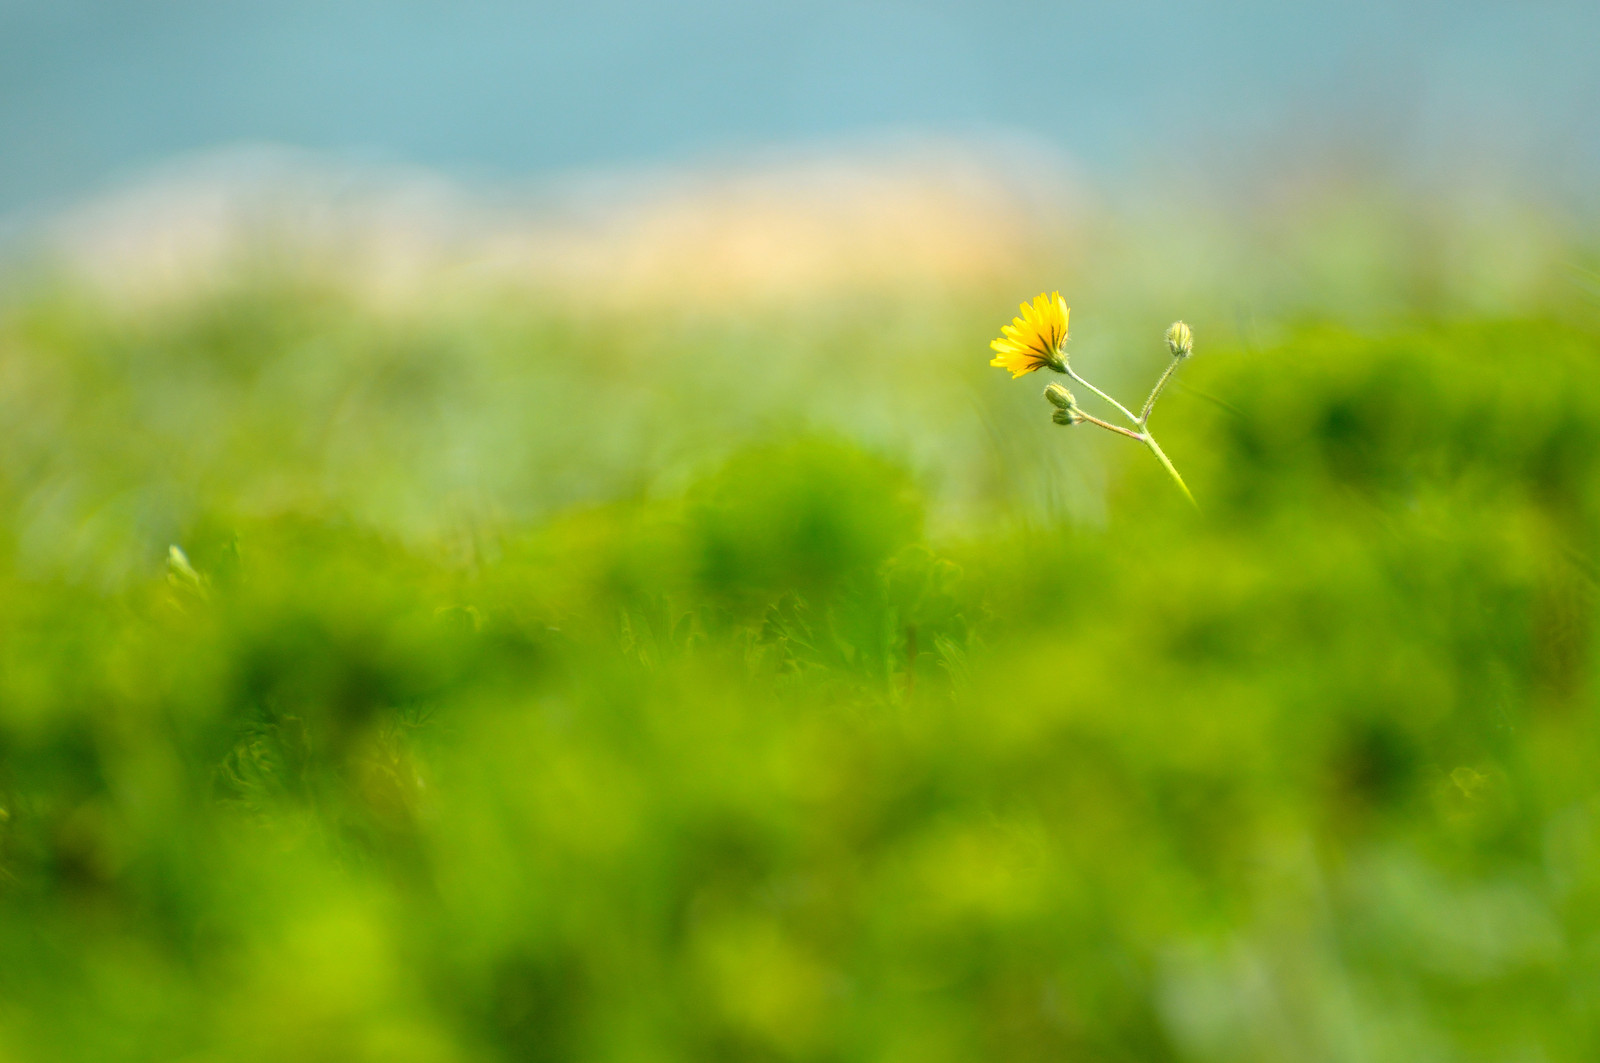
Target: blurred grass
(783, 686)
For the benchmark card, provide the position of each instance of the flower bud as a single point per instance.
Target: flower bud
(1180, 340)
(1069, 416)
(1059, 397)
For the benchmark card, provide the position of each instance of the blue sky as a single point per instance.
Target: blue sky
(91, 91)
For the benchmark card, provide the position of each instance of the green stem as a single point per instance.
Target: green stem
(1108, 426)
(1155, 392)
(1161, 456)
(1125, 411)
(1142, 435)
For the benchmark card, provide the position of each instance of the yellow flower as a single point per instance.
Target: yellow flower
(1035, 339)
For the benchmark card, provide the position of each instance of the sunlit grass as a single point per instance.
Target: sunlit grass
(539, 685)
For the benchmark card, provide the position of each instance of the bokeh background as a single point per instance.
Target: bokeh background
(511, 549)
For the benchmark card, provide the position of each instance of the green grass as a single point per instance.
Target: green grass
(573, 688)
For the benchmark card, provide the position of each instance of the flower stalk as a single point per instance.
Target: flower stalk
(1037, 340)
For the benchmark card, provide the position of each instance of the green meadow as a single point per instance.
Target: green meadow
(772, 680)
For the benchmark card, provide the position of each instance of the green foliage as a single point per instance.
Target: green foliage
(801, 517)
(758, 760)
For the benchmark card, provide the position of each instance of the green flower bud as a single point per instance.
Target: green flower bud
(1069, 416)
(1180, 340)
(1059, 397)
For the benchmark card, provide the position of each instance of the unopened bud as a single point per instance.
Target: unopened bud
(1059, 397)
(1069, 416)
(1180, 340)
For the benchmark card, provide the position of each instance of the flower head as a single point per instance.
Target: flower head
(1034, 340)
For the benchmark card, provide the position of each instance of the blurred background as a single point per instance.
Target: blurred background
(511, 548)
(95, 92)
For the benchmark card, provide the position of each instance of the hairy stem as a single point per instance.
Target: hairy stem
(1108, 426)
(1155, 392)
(1148, 440)
(1125, 411)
